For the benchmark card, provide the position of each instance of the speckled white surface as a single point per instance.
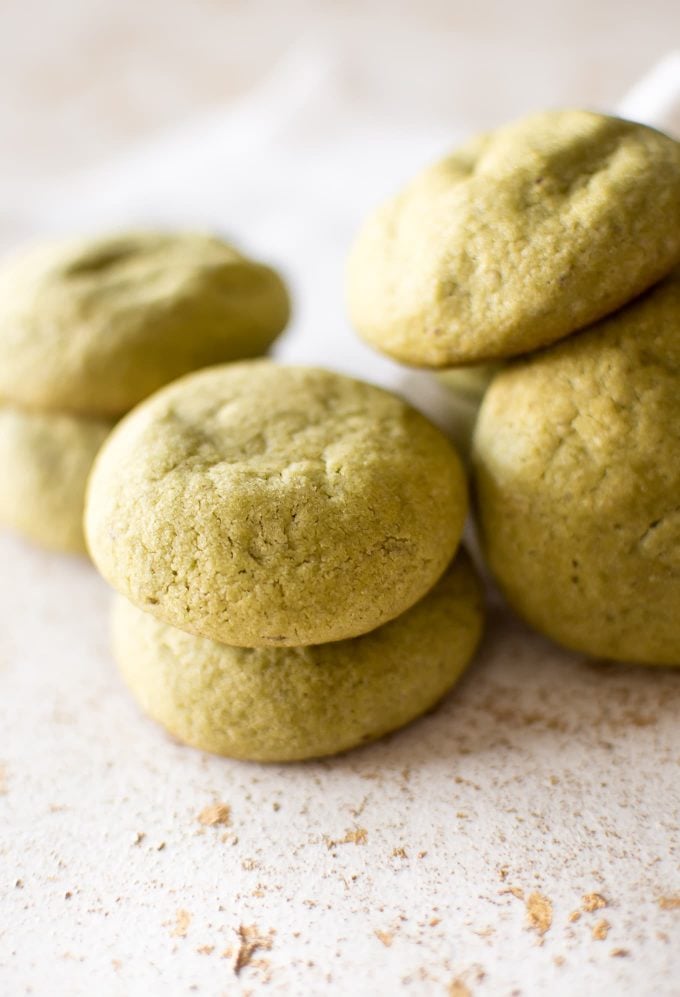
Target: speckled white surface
(405, 867)
(541, 772)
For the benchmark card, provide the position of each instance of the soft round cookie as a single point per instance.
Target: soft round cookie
(519, 238)
(292, 703)
(577, 454)
(46, 459)
(94, 325)
(257, 504)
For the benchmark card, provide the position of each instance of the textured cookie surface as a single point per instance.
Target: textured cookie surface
(577, 455)
(283, 704)
(94, 325)
(516, 240)
(258, 504)
(46, 459)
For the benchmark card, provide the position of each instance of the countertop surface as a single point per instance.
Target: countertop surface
(451, 858)
(524, 838)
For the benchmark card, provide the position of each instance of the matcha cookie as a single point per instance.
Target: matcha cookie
(257, 504)
(287, 704)
(517, 239)
(45, 460)
(577, 454)
(94, 325)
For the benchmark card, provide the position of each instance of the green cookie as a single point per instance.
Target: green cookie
(257, 504)
(46, 459)
(517, 239)
(287, 704)
(577, 454)
(94, 325)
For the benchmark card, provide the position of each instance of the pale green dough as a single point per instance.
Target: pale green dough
(257, 504)
(577, 454)
(287, 704)
(92, 326)
(45, 460)
(517, 239)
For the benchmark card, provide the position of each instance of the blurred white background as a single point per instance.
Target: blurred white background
(282, 124)
(81, 78)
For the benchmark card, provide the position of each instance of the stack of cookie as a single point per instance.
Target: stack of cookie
(562, 226)
(285, 542)
(88, 328)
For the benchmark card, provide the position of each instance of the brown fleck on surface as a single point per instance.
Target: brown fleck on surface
(182, 922)
(593, 901)
(459, 989)
(559, 960)
(205, 949)
(251, 941)
(619, 953)
(539, 913)
(399, 853)
(515, 891)
(601, 930)
(574, 916)
(356, 811)
(139, 838)
(216, 813)
(669, 903)
(385, 937)
(355, 836)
